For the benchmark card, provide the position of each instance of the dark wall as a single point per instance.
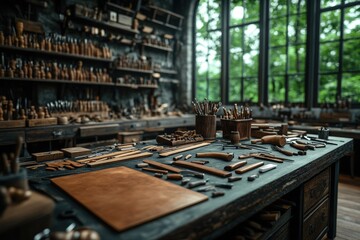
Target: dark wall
(51, 18)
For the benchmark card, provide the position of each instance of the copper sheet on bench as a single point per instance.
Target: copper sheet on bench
(123, 197)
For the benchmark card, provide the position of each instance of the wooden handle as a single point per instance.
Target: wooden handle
(234, 166)
(302, 147)
(162, 166)
(154, 170)
(174, 176)
(193, 146)
(272, 159)
(272, 139)
(283, 151)
(203, 168)
(248, 168)
(121, 158)
(104, 156)
(219, 155)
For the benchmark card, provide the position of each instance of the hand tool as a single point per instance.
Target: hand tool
(184, 181)
(141, 165)
(177, 157)
(252, 146)
(158, 175)
(197, 183)
(15, 161)
(249, 167)
(184, 148)
(202, 162)
(318, 140)
(5, 164)
(217, 194)
(174, 176)
(222, 185)
(203, 168)
(218, 155)
(206, 188)
(252, 177)
(173, 169)
(283, 151)
(187, 156)
(234, 178)
(234, 166)
(154, 170)
(311, 144)
(278, 140)
(267, 168)
(118, 159)
(302, 147)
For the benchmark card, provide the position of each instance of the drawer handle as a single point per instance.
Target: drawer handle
(316, 192)
(57, 133)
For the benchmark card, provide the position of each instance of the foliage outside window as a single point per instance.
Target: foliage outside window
(208, 50)
(287, 53)
(339, 52)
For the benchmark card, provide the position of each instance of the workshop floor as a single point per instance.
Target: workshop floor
(348, 218)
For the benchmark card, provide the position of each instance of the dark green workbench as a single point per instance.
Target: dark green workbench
(213, 218)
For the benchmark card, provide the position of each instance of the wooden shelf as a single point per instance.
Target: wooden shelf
(104, 25)
(168, 49)
(55, 81)
(136, 86)
(169, 80)
(133, 70)
(38, 52)
(164, 17)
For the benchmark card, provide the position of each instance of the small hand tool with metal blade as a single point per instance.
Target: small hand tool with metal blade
(278, 140)
(174, 169)
(218, 155)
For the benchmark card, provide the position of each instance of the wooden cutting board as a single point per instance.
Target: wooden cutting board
(124, 198)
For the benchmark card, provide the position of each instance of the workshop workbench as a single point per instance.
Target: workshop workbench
(216, 216)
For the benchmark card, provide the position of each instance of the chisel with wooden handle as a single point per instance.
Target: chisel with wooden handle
(234, 166)
(248, 168)
(173, 169)
(203, 168)
(278, 140)
(218, 155)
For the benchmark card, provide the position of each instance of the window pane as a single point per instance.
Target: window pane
(251, 63)
(277, 8)
(209, 13)
(330, 26)
(276, 89)
(296, 88)
(352, 22)
(201, 87)
(329, 3)
(236, 65)
(297, 6)
(297, 59)
(236, 40)
(327, 88)
(351, 87)
(278, 32)
(251, 37)
(351, 57)
(251, 10)
(214, 89)
(277, 61)
(234, 89)
(236, 12)
(251, 89)
(297, 29)
(329, 57)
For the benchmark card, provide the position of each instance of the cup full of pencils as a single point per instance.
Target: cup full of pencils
(205, 120)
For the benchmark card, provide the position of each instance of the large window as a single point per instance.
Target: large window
(231, 34)
(244, 51)
(208, 50)
(339, 51)
(287, 49)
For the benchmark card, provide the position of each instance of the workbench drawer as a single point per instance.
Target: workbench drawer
(133, 125)
(317, 222)
(315, 189)
(100, 130)
(50, 133)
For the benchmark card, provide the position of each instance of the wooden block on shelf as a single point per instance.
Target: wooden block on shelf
(75, 151)
(12, 124)
(42, 122)
(130, 137)
(47, 156)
